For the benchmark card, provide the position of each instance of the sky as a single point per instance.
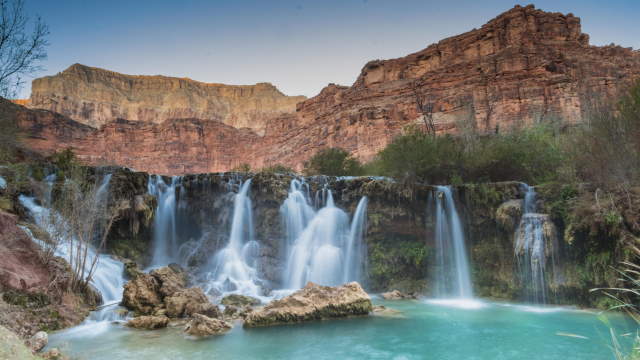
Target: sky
(299, 45)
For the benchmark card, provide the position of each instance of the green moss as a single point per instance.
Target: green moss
(399, 263)
(26, 300)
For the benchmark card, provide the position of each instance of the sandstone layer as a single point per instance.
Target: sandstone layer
(523, 67)
(96, 97)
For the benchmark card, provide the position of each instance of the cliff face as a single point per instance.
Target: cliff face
(525, 66)
(97, 97)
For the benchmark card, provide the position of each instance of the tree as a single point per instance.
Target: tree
(425, 105)
(333, 162)
(21, 50)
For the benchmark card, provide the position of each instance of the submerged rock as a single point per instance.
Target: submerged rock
(313, 302)
(148, 322)
(239, 300)
(201, 325)
(190, 301)
(381, 310)
(397, 295)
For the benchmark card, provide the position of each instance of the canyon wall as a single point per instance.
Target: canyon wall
(525, 66)
(97, 97)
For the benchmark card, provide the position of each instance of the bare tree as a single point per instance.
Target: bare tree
(82, 222)
(21, 50)
(425, 105)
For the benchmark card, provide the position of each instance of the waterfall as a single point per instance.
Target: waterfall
(165, 239)
(321, 245)
(233, 268)
(107, 277)
(453, 279)
(534, 240)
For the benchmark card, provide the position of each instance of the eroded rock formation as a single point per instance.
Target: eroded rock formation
(97, 97)
(523, 67)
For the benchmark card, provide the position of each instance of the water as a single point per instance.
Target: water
(3, 183)
(107, 277)
(322, 246)
(233, 268)
(532, 245)
(453, 279)
(422, 331)
(165, 238)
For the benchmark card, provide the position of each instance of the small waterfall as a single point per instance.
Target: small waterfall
(107, 277)
(453, 279)
(233, 268)
(321, 245)
(535, 241)
(165, 239)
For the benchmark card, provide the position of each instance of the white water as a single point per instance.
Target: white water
(530, 250)
(233, 268)
(321, 245)
(3, 183)
(453, 279)
(107, 277)
(165, 238)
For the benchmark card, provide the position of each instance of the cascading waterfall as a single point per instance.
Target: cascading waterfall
(233, 268)
(453, 279)
(107, 276)
(165, 238)
(532, 241)
(321, 245)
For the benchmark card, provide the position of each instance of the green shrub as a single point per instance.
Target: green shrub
(277, 169)
(333, 162)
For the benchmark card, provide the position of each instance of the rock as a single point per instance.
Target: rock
(188, 302)
(231, 311)
(239, 300)
(524, 65)
(171, 278)
(201, 325)
(142, 294)
(11, 347)
(148, 322)
(508, 214)
(53, 354)
(381, 310)
(131, 269)
(313, 302)
(81, 93)
(38, 341)
(396, 295)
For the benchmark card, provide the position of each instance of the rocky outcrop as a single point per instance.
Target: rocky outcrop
(523, 67)
(313, 302)
(202, 326)
(38, 341)
(148, 322)
(163, 292)
(96, 97)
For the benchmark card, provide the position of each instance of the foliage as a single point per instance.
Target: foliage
(333, 162)
(606, 150)
(531, 155)
(242, 168)
(21, 49)
(277, 169)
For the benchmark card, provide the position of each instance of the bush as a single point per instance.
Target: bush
(277, 169)
(333, 162)
(531, 155)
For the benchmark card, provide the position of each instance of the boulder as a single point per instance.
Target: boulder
(239, 300)
(313, 302)
(188, 302)
(148, 322)
(38, 341)
(142, 294)
(171, 278)
(11, 347)
(201, 325)
(397, 295)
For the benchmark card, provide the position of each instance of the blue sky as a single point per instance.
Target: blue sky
(300, 46)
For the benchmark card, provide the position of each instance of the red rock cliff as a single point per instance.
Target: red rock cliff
(523, 67)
